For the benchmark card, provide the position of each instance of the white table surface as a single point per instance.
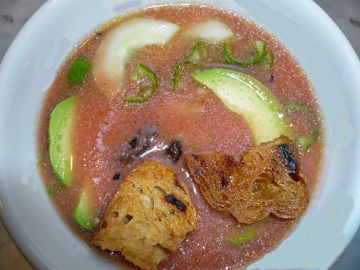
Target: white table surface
(13, 15)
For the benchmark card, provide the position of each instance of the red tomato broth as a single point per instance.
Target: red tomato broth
(192, 115)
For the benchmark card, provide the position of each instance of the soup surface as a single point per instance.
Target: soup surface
(106, 126)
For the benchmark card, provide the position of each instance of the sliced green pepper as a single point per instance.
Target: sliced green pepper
(51, 192)
(269, 58)
(199, 51)
(78, 70)
(304, 141)
(176, 73)
(259, 47)
(243, 237)
(144, 93)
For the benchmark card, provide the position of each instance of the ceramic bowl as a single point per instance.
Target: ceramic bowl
(29, 67)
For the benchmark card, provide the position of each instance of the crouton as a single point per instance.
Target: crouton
(264, 180)
(150, 213)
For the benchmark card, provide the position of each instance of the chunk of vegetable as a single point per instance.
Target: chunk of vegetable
(243, 237)
(199, 51)
(120, 44)
(60, 130)
(51, 192)
(78, 70)
(212, 31)
(247, 96)
(269, 58)
(176, 74)
(83, 213)
(259, 47)
(144, 93)
(303, 140)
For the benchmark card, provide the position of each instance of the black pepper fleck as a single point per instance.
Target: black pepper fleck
(197, 173)
(224, 182)
(116, 176)
(196, 156)
(133, 143)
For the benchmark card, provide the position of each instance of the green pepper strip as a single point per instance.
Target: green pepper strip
(243, 237)
(78, 70)
(304, 141)
(269, 58)
(144, 93)
(198, 52)
(176, 73)
(51, 192)
(259, 47)
(195, 56)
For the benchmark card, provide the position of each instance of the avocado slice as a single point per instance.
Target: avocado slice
(83, 213)
(60, 129)
(247, 96)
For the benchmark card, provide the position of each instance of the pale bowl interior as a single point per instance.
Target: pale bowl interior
(30, 65)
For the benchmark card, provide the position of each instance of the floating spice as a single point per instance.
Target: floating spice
(174, 151)
(116, 176)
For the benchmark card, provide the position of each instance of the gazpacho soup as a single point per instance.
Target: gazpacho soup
(181, 137)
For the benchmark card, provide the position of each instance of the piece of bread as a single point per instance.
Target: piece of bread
(264, 180)
(150, 213)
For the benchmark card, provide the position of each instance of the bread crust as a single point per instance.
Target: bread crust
(264, 180)
(143, 219)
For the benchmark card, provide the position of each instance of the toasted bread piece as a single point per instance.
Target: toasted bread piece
(266, 179)
(150, 212)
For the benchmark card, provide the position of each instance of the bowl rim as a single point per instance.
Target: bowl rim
(15, 48)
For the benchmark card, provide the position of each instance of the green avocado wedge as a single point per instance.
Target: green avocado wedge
(83, 213)
(60, 133)
(247, 96)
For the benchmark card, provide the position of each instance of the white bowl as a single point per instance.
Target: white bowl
(29, 67)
